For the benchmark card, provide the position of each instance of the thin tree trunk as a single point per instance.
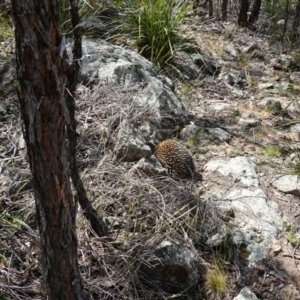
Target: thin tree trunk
(255, 11)
(224, 10)
(39, 56)
(295, 31)
(242, 19)
(210, 8)
(72, 71)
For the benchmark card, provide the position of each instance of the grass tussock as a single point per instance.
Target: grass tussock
(216, 282)
(155, 26)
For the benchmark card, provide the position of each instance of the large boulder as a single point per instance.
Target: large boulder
(159, 110)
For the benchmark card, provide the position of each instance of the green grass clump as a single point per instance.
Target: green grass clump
(216, 282)
(272, 150)
(6, 27)
(154, 26)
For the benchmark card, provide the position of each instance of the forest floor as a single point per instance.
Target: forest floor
(270, 141)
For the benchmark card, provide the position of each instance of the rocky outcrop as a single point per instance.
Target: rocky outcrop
(114, 66)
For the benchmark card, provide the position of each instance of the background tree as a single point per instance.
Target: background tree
(255, 11)
(243, 16)
(224, 9)
(40, 69)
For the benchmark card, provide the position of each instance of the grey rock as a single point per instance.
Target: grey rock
(232, 51)
(189, 131)
(289, 184)
(295, 77)
(150, 166)
(245, 294)
(218, 238)
(249, 122)
(289, 292)
(195, 66)
(257, 220)
(172, 266)
(220, 134)
(284, 63)
(295, 128)
(273, 106)
(240, 169)
(236, 78)
(108, 65)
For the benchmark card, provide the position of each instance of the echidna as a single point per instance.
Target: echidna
(176, 158)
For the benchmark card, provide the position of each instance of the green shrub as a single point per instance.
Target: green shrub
(154, 26)
(6, 27)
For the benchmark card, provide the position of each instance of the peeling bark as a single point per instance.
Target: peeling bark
(39, 57)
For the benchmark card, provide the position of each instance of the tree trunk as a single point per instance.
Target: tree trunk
(242, 19)
(72, 71)
(255, 11)
(224, 10)
(295, 31)
(39, 56)
(210, 8)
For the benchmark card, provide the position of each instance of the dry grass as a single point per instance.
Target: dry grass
(141, 211)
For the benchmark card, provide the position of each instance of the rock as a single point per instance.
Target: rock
(273, 106)
(245, 294)
(109, 65)
(289, 292)
(295, 77)
(220, 134)
(240, 169)
(195, 66)
(250, 47)
(288, 184)
(257, 220)
(218, 238)
(285, 63)
(172, 266)
(150, 166)
(232, 51)
(295, 128)
(236, 78)
(135, 145)
(189, 131)
(15, 180)
(249, 122)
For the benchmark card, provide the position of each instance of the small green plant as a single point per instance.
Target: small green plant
(154, 25)
(190, 142)
(271, 150)
(6, 28)
(216, 282)
(292, 236)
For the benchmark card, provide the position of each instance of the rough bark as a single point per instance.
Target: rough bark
(39, 56)
(242, 19)
(255, 11)
(72, 70)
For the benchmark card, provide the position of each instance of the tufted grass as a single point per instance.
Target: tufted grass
(216, 282)
(6, 27)
(154, 26)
